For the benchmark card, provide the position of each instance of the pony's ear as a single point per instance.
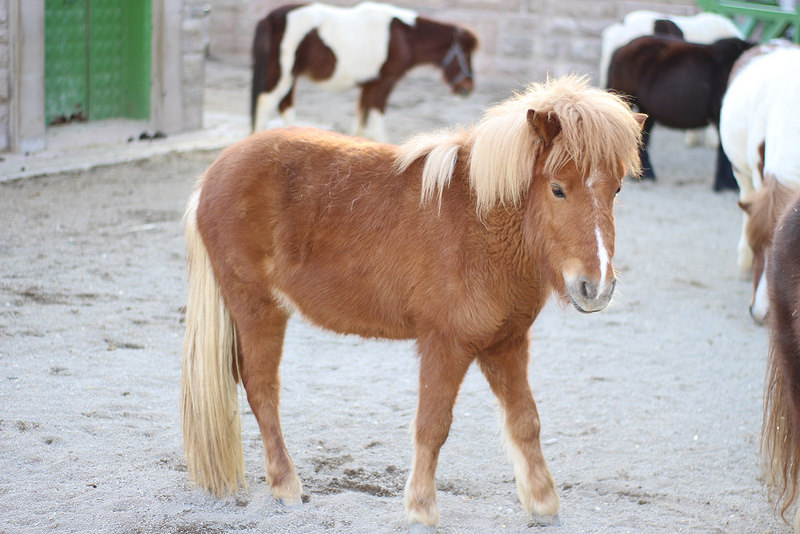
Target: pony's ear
(545, 126)
(640, 118)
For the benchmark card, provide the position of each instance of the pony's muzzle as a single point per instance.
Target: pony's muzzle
(464, 87)
(590, 296)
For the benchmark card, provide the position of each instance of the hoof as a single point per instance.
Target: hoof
(545, 521)
(419, 528)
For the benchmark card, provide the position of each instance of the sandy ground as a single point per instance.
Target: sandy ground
(650, 409)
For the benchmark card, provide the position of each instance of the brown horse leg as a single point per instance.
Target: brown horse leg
(506, 368)
(440, 375)
(372, 106)
(261, 340)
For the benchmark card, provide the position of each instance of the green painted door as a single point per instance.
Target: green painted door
(97, 59)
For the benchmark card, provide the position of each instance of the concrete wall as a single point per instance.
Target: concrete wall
(520, 39)
(178, 70)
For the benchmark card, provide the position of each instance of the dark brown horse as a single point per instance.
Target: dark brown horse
(455, 239)
(780, 433)
(370, 46)
(677, 84)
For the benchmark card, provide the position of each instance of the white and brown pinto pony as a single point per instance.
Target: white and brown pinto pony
(760, 133)
(454, 239)
(370, 46)
(780, 432)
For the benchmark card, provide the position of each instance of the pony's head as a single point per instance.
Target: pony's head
(558, 152)
(763, 209)
(457, 62)
(581, 142)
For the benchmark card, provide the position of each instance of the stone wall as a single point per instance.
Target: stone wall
(520, 39)
(194, 32)
(5, 75)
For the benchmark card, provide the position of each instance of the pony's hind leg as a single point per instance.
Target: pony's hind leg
(261, 332)
(440, 375)
(506, 368)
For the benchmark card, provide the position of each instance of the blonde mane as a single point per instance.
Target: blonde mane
(597, 129)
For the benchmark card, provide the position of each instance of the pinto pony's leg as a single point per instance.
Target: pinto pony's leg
(266, 103)
(506, 369)
(371, 107)
(440, 375)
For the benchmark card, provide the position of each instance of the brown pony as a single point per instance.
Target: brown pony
(370, 46)
(454, 239)
(780, 433)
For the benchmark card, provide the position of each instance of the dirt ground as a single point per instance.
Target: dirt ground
(650, 409)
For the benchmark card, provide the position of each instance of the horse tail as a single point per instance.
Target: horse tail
(208, 401)
(261, 51)
(780, 432)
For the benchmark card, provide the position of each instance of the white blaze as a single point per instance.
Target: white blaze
(602, 256)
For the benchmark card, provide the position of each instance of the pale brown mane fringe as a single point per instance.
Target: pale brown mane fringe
(597, 129)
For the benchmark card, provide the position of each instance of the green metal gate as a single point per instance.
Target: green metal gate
(763, 19)
(97, 59)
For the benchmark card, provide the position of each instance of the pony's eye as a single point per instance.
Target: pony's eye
(558, 192)
(617, 191)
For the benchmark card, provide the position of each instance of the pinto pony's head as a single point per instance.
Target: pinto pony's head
(457, 62)
(558, 152)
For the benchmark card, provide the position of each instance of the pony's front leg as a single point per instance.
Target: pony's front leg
(440, 375)
(505, 366)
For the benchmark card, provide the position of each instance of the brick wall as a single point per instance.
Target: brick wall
(520, 39)
(5, 76)
(194, 30)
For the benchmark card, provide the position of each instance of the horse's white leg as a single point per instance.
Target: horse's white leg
(267, 103)
(441, 372)
(760, 306)
(506, 369)
(691, 138)
(289, 116)
(374, 128)
(711, 136)
(370, 125)
(747, 184)
(744, 253)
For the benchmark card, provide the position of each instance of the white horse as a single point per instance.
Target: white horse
(704, 28)
(760, 133)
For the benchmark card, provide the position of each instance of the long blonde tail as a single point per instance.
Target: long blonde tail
(780, 446)
(209, 404)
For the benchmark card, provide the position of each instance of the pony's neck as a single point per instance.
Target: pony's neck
(431, 40)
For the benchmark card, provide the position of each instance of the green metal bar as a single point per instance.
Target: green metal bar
(775, 19)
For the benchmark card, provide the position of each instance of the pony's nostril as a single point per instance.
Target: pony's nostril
(588, 290)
